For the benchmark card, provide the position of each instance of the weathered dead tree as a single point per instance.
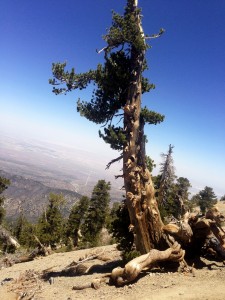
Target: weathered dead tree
(7, 239)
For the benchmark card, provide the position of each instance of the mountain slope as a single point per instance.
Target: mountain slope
(31, 197)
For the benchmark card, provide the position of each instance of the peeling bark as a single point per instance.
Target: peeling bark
(140, 195)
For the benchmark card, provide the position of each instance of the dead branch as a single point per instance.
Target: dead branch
(119, 176)
(157, 35)
(42, 249)
(101, 50)
(113, 161)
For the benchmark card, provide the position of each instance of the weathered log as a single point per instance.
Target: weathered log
(121, 276)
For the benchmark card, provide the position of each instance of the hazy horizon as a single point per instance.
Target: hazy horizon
(100, 159)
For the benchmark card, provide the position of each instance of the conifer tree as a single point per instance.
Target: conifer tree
(97, 213)
(50, 224)
(166, 184)
(172, 194)
(119, 87)
(207, 199)
(76, 219)
(182, 186)
(24, 231)
(113, 214)
(120, 230)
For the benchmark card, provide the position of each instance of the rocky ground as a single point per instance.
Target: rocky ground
(23, 281)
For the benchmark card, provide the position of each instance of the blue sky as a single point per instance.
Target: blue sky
(187, 65)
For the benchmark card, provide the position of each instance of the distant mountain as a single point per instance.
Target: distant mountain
(31, 197)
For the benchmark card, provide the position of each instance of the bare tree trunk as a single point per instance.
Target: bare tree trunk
(146, 222)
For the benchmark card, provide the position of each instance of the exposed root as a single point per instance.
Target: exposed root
(121, 276)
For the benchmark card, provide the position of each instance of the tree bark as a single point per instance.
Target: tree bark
(146, 222)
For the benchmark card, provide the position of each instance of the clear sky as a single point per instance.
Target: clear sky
(187, 65)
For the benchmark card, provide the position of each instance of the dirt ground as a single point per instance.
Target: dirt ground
(23, 281)
(205, 283)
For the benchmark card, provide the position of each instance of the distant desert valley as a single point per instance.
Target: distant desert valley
(37, 168)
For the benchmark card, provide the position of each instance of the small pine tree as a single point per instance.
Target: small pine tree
(96, 214)
(182, 186)
(24, 231)
(50, 224)
(76, 219)
(172, 192)
(207, 199)
(166, 185)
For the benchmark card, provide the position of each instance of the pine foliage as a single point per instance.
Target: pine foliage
(50, 224)
(76, 219)
(97, 213)
(207, 199)
(111, 80)
(172, 192)
(24, 231)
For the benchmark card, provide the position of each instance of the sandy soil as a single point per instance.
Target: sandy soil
(205, 283)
